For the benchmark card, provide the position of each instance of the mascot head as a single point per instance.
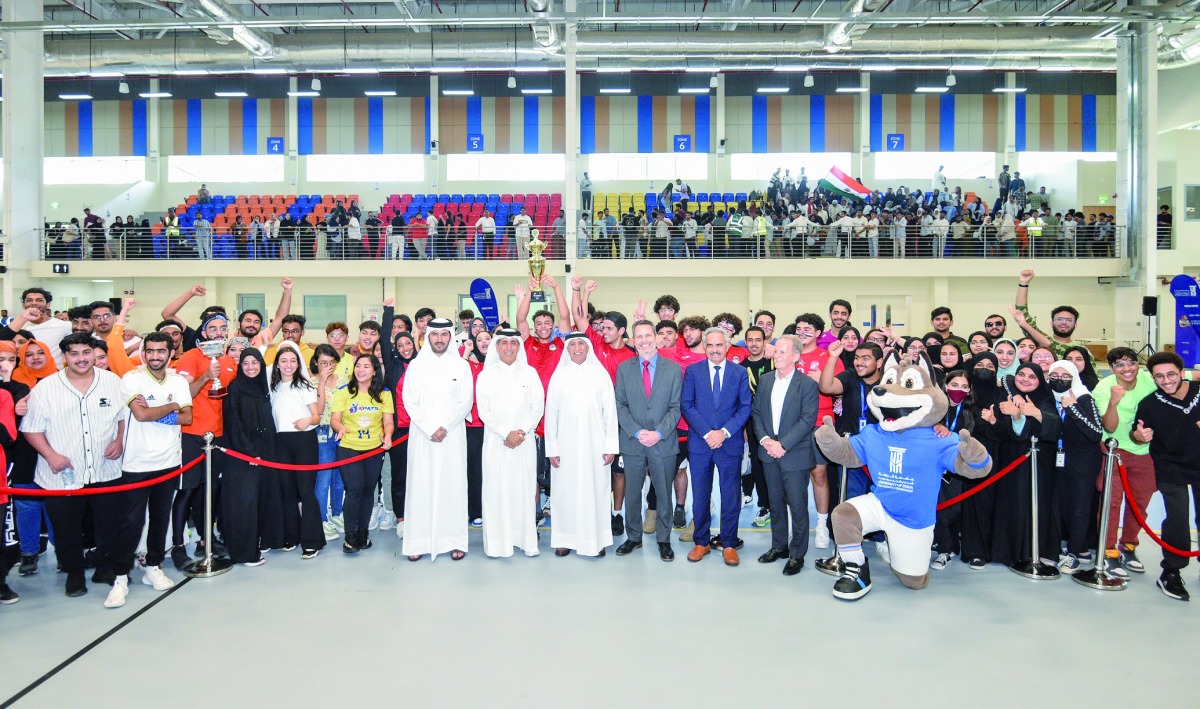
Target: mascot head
(906, 395)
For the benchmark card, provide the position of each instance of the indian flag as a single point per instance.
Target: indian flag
(840, 183)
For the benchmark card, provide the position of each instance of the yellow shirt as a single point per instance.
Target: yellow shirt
(362, 418)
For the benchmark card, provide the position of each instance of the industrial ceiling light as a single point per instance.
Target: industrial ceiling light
(950, 80)
(512, 82)
(808, 81)
(712, 82)
(316, 84)
(123, 88)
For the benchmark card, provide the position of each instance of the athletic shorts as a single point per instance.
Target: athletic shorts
(909, 548)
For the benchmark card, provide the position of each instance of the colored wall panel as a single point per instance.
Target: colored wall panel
(531, 109)
(816, 124)
(587, 125)
(250, 144)
(645, 124)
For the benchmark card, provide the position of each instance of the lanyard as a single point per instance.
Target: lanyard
(957, 411)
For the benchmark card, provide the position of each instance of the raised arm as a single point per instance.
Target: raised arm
(829, 383)
(564, 311)
(1023, 288)
(1021, 317)
(523, 298)
(171, 312)
(285, 306)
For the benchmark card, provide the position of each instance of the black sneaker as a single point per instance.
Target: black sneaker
(179, 557)
(1171, 584)
(618, 525)
(1130, 560)
(29, 565)
(855, 581)
(75, 585)
(7, 595)
(977, 564)
(349, 548)
(680, 519)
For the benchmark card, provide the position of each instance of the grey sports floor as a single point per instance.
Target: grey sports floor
(612, 632)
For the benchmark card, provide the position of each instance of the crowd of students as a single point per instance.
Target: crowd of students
(151, 399)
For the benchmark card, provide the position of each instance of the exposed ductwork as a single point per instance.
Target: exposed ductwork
(258, 46)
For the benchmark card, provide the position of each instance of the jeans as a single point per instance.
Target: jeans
(29, 512)
(678, 247)
(329, 481)
(287, 248)
(204, 246)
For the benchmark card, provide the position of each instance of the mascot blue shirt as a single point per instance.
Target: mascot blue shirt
(906, 470)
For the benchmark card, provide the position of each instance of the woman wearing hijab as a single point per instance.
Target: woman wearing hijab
(1028, 411)
(34, 363)
(979, 341)
(1006, 359)
(249, 429)
(979, 509)
(1077, 458)
(850, 338)
(948, 358)
(960, 415)
(1082, 359)
(296, 407)
(29, 513)
(405, 349)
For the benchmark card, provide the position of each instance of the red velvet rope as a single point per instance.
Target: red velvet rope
(27, 492)
(313, 466)
(1137, 514)
(978, 488)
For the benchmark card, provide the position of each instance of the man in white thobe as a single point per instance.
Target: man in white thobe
(510, 400)
(438, 396)
(581, 443)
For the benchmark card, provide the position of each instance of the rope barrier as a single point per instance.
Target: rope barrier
(313, 466)
(1137, 514)
(978, 488)
(26, 492)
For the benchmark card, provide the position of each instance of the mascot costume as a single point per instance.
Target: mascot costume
(906, 460)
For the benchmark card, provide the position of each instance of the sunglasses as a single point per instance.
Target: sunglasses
(994, 323)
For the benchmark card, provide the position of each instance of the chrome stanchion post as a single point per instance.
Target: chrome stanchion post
(1034, 568)
(832, 565)
(1097, 577)
(209, 565)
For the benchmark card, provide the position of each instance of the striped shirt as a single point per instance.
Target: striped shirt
(78, 426)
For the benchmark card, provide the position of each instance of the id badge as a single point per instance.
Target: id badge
(862, 424)
(1060, 460)
(322, 435)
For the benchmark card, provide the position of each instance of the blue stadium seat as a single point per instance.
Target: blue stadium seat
(701, 196)
(740, 197)
(726, 197)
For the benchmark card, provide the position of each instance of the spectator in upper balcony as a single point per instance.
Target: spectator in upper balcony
(1164, 221)
(203, 196)
(1004, 180)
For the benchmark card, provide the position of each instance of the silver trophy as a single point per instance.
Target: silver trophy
(214, 349)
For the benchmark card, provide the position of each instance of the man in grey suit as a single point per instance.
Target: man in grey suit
(785, 416)
(648, 389)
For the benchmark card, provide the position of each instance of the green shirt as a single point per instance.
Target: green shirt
(1126, 407)
(1059, 349)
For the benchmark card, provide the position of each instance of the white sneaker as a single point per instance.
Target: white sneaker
(155, 577)
(120, 589)
(400, 530)
(376, 515)
(940, 561)
(339, 523)
(546, 507)
(388, 521)
(746, 500)
(881, 548)
(822, 541)
(331, 531)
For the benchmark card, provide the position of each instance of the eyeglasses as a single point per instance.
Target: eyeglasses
(288, 331)
(1124, 364)
(1043, 358)
(104, 316)
(994, 323)
(1065, 321)
(337, 335)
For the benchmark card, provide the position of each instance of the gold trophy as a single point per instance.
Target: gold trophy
(537, 266)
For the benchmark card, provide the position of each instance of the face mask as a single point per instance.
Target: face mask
(985, 375)
(1060, 386)
(957, 396)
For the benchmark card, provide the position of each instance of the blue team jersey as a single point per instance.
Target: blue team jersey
(906, 470)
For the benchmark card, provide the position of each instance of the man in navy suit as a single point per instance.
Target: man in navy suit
(716, 403)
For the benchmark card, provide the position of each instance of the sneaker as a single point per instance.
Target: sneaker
(376, 515)
(155, 578)
(331, 531)
(822, 540)
(689, 532)
(367, 544)
(977, 564)
(680, 519)
(179, 557)
(854, 583)
(650, 524)
(546, 508)
(763, 518)
(29, 564)
(1130, 560)
(339, 523)
(1171, 584)
(940, 561)
(618, 524)
(310, 554)
(746, 500)
(289, 547)
(120, 590)
(388, 521)
(257, 562)
(1113, 567)
(477, 522)
(399, 530)
(1069, 565)
(881, 548)
(7, 595)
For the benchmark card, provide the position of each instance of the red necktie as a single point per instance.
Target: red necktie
(646, 377)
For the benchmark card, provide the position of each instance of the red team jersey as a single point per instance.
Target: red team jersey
(811, 364)
(543, 357)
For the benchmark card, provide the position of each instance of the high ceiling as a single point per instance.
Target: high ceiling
(161, 36)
